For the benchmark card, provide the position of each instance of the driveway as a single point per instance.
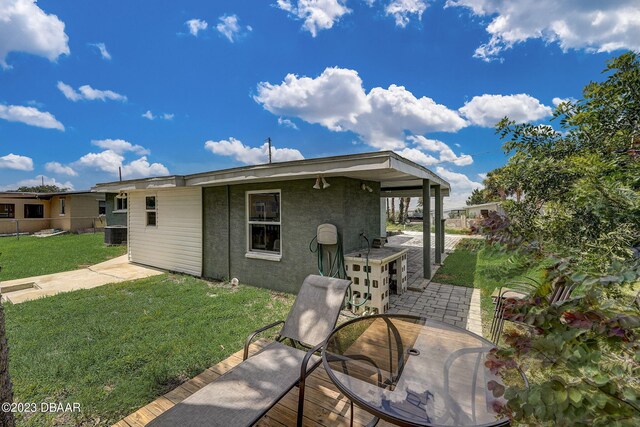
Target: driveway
(115, 270)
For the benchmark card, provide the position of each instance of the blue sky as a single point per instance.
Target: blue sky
(184, 87)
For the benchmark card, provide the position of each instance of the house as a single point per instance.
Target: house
(32, 212)
(257, 222)
(467, 216)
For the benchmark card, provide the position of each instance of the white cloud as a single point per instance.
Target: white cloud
(461, 187)
(402, 10)
(109, 161)
(482, 176)
(557, 101)
(102, 48)
(251, 155)
(316, 14)
(230, 28)
(487, 110)
(445, 153)
(597, 26)
(287, 123)
(120, 146)
(337, 100)
(418, 156)
(88, 93)
(141, 168)
(24, 27)
(196, 25)
(164, 116)
(16, 162)
(33, 182)
(106, 161)
(30, 116)
(60, 169)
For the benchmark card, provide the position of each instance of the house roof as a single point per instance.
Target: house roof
(32, 195)
(397, 176)
(481, 205)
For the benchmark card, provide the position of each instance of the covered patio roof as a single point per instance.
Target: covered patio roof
(398, 177)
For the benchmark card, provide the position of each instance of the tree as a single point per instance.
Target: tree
(401, 211)
(42, 189)
(577, 204)
(393, 210)
(479, 196)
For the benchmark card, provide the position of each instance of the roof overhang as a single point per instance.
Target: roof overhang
(397, 176)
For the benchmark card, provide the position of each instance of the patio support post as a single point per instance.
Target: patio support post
(438, 225)
(426, 228)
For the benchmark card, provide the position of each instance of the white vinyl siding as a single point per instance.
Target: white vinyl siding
(175, 243)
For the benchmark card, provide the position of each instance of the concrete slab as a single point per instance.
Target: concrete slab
(113, 271)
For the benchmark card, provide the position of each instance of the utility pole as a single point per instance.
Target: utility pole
(269, 142)
(120, 172)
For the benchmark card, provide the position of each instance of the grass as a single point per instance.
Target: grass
(33, 256)
(115, 348)
(472, 264)
(495, 269)
(460, 266)
(417, 226)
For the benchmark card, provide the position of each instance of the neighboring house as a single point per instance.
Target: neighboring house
(467, 216)
(257, 222)
(482, 210)
(69, 211)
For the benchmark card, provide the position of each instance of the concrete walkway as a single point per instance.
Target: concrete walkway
(115, 270)
(456, 305)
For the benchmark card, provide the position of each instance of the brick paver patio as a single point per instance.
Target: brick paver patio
(456, 305)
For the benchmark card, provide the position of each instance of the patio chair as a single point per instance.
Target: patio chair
(518, 290)
(241, 396)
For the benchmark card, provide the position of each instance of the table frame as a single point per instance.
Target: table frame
(363, 404)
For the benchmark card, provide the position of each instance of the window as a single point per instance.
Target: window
(121, 202)
(263, 222)
(152, 211)
(62, 205)
(7, 210)
(102, 207)
(34, 211)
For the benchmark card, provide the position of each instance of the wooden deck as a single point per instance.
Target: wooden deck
(324, 404)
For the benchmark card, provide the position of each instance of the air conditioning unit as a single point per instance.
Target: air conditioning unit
(115, 235)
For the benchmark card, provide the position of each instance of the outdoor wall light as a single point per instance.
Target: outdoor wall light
(325, 184)
(365, 187)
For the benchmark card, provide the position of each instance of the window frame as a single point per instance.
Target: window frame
(118, 200)
(102, 210)
(33, 204)
(257, 254)
(12, 213)
(63, 206)
(147, 211)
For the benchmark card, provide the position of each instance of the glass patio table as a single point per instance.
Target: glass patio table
(412, 371)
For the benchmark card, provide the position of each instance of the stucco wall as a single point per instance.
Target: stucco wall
(343, 204)
(111, 217)
(84, 211)
(8, 225)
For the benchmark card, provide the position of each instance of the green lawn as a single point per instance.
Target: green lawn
(474, 265)
(460, 266)
(417, 226)
(33, 256)
(115, 348)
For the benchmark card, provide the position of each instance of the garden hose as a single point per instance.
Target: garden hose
(336, 267)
